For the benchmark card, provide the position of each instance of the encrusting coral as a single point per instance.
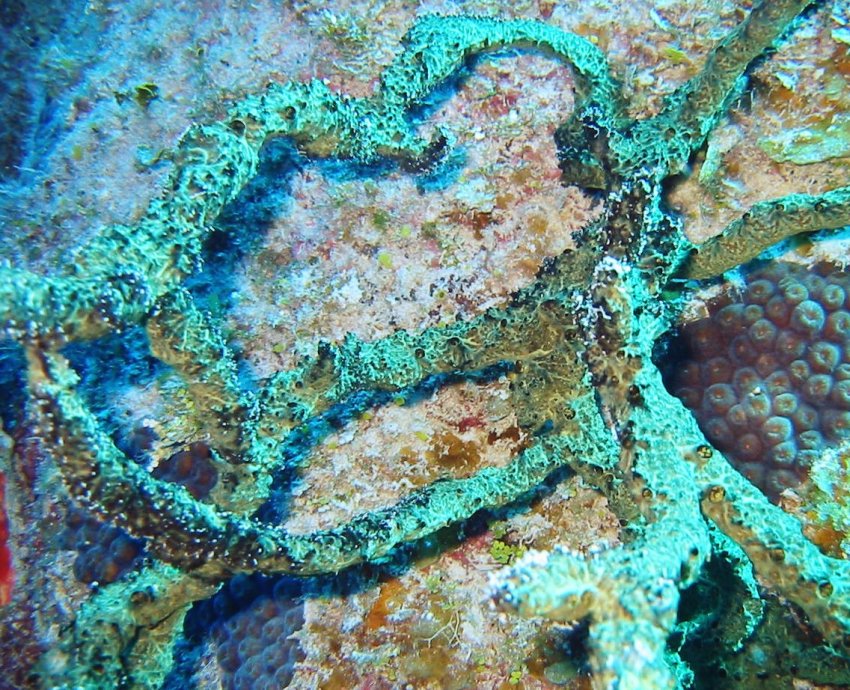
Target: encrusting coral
(767, 376)
(579, 341)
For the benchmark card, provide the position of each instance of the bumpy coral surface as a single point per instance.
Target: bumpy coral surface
(257, 646)
(767, 373)
(104, 552)
(192, 468)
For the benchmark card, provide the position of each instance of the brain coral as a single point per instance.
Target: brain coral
(767, 373)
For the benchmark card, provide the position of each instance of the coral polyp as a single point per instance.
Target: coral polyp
(766, 374)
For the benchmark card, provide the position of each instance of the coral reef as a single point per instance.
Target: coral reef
(576, 346)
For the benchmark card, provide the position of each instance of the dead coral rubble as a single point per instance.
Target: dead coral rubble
(579, 340)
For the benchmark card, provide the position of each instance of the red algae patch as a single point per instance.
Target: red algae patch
(7, 572)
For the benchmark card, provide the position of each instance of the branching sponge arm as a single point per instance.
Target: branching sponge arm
(693, 110)
(764, 225)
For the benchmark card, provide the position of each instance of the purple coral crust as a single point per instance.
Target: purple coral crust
(104, 552)
(255, 648)
(192, 468)
(767, 373)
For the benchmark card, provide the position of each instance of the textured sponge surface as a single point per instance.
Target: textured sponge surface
(767, 373)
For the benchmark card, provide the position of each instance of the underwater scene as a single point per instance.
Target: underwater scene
(433, 344)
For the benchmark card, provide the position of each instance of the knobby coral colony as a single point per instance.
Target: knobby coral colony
(579, 339)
